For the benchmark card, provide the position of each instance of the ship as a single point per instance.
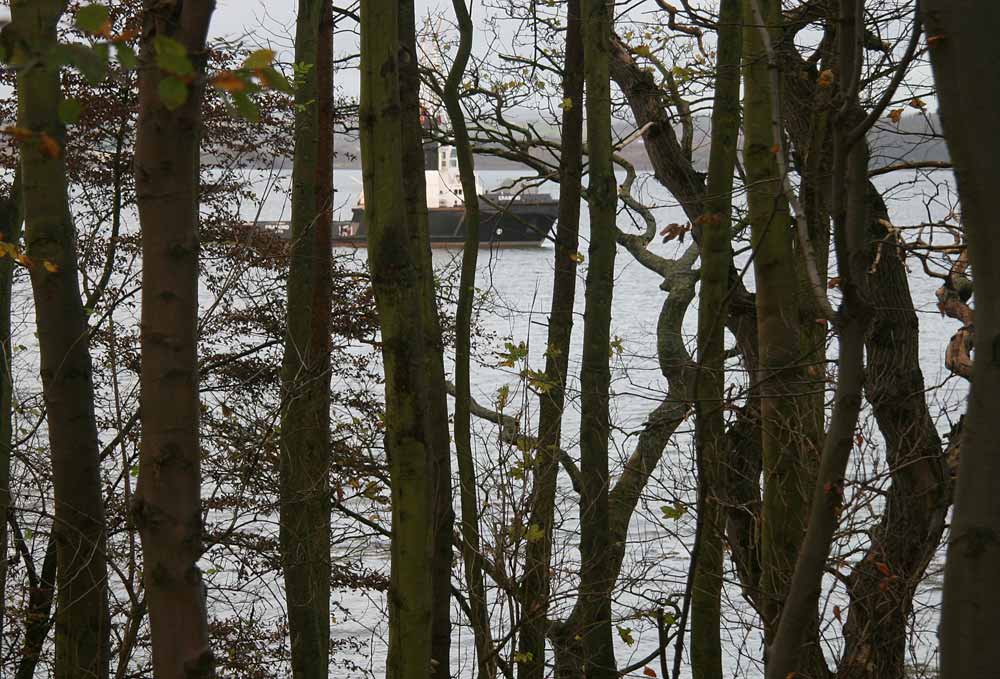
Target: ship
(511, 217)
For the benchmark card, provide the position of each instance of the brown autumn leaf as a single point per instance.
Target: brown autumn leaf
(48, 146)
(918, 103)
(672, 231)
(825, 78)
(648, 671)
(895, 115)
(776, 149)
(836, 613)
(50, 266)
(883, 568)
(229, 82)
(18, 133)
(833, 283)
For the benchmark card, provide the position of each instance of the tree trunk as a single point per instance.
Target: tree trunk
(398, 282)
(785, 469)
(82, 625)
(39, 614)
(593, 614)
(436, 395)
(11, 217)
(536, 587)
(305, 424)
(472, 555)
(962, 41)
(167, 501)
(713, 309)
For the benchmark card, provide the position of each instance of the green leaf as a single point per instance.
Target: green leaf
(92, 62)
(126, 56)
(275, 80)
(626, 635)
(92, 19)
(173, 92)
(673, 512)
(171, 56)
(69, 111)
(535, 533)
(259, 59)
(246, 107)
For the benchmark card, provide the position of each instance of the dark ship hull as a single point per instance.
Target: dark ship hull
(503, 222)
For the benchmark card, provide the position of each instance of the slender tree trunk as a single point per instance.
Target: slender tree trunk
(436, 395)
(305, 424)
(785, 474)
(962, 39)
(594, 611)
(11, 217)
(39, 615)
(713, 310)
(82, 625)
(538, 554)
(167, 501)
(472, 555)
(398, 282)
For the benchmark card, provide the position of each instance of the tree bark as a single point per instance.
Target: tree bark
(11, 218)
(962, 41)
(785, 470)
(593, 614)
(399, 285)
(82, 624)
(305, 424)
(415, 195)
(536, 588)
(713, 309)
(167, 502)
(472, 555)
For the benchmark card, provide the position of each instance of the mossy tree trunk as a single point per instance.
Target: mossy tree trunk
(167, 501)
(435, 395)
(82, 619)
(399, 261)
(305, 423)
